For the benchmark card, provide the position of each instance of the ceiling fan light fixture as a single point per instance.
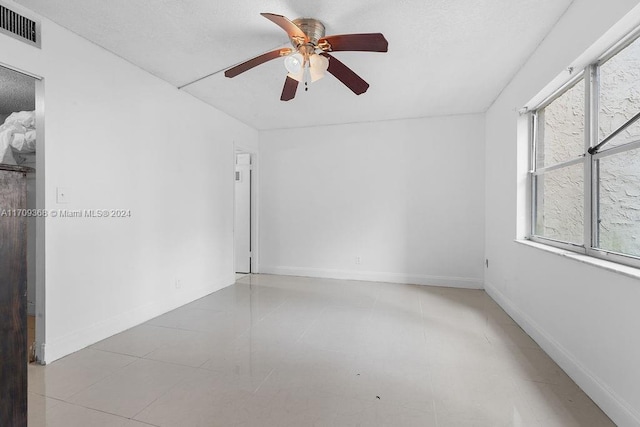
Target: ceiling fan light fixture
(294, 63)
(299, 76)
(318, 66)
(303, 64)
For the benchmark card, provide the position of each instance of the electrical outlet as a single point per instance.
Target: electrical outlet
(358, 260)
(178, 284)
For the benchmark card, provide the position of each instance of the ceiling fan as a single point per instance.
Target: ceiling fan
(310, 57)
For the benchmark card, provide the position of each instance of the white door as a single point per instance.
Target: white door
(243, 213)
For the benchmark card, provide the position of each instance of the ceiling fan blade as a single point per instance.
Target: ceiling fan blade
(289, 89)
(346, 75)
(292, 29)
(261, 59)
(370, 42)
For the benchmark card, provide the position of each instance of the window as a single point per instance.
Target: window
(585, 161)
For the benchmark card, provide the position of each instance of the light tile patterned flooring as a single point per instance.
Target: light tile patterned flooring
(293, 351)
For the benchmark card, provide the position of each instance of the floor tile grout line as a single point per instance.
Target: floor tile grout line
(264, 380)
(301, 337)
(98, 410)
(156, 399)
(110, 352)
(115, 372)
(270, 312)
(422, 321)
(110, 374)
(182, 380)
(195, 331)
(177, 364)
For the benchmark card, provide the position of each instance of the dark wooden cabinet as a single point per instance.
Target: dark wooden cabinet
(13, 297)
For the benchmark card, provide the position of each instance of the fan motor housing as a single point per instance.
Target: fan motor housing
(312, 28)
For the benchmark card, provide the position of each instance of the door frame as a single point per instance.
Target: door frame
(40, 267)
(255, 200)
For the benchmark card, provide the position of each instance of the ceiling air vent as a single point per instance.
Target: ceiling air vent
(19, 27)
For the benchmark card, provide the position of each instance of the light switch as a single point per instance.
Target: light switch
(62, 195)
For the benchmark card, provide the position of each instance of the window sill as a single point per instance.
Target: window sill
(586, 259)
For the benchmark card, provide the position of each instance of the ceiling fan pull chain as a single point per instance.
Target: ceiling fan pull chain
(306, 76)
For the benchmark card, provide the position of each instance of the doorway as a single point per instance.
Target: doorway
(21, 141)
(243, 212)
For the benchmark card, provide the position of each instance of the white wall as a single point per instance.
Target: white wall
(586, 317)
(405, 196)
(118, 138)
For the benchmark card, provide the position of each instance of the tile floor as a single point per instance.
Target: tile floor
(293, 351)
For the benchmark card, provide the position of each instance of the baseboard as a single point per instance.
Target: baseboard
(609, 401)
(375, 276)
(79, 339)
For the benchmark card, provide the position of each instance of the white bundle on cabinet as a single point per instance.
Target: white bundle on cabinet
(17, 135)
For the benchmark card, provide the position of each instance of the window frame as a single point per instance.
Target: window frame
(591, 77)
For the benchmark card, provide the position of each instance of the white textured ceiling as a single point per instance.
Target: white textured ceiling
(445, 56)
